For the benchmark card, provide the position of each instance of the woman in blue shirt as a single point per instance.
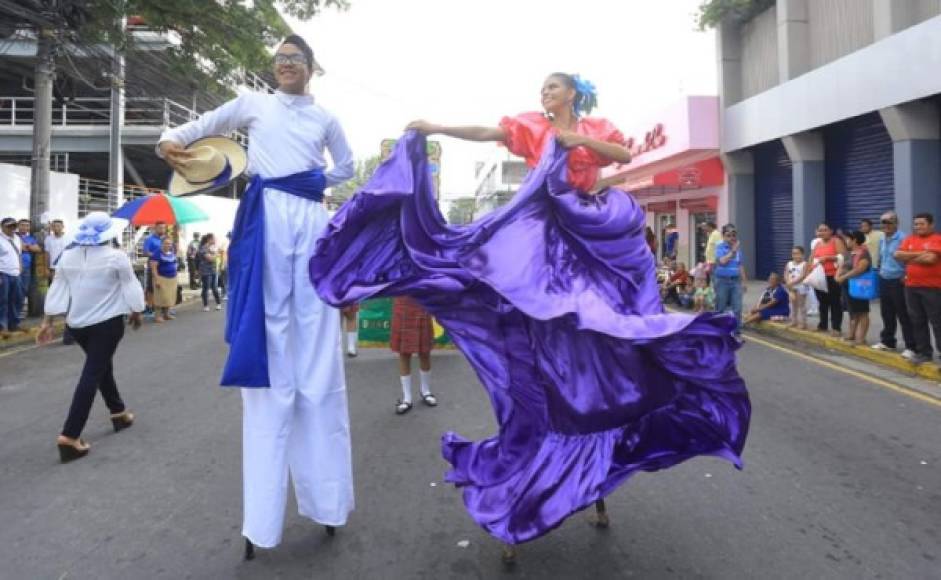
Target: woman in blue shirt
(163, 273)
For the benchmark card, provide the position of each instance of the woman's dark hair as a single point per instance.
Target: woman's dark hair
(205, 239)
(857, 236)
(925, 216)
(300, 43)
(585, 97)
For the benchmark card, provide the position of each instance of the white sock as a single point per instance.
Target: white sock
(406, 389)
(425, 382)
(351, 341)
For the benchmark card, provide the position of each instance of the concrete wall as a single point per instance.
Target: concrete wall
(838, 27)
(15, 193)
(856, 84)
(759, 54)
(924, 9)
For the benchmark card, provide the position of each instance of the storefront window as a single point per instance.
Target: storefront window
(698, 219)
(669, 235)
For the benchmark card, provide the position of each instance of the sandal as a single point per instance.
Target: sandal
(122, 420)
(402, 407)
(72, 451)
(429, 400)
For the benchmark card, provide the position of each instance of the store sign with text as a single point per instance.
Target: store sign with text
(653, 139)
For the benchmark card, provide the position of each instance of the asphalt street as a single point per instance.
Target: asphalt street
(842, 479)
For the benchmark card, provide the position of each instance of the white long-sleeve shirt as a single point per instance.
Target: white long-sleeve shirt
(287, 134)
(93, 284)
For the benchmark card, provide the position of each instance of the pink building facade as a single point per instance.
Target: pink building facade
(677, 175)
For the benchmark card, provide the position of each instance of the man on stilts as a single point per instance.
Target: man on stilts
(285, 342)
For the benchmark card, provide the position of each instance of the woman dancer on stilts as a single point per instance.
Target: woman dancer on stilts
(525, 135)
(553, 300)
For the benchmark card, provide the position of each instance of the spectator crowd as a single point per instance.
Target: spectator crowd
(841, 276)
(28, 263)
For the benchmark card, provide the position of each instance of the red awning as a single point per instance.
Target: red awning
(708, 173)
(662, 206)
(702, 204)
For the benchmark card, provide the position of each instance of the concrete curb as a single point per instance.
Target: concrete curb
(29, 337)
(892, 360)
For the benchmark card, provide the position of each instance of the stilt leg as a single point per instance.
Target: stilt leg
(509, 555)
(249, 550)
(600, 518)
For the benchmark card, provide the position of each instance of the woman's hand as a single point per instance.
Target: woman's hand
(44, 336)
(569, 139)
(423, 127)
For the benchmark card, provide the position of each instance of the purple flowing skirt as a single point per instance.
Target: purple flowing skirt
(553, 300)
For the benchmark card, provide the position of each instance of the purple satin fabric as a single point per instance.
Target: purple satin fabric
(554, 302)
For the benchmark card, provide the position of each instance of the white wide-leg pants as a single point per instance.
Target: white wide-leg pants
(301, 424)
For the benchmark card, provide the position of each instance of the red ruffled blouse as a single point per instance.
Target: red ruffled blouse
(527, 135)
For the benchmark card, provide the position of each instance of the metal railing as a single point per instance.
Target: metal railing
(96, 112)
(97, 195)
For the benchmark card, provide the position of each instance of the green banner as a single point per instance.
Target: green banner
(375, 324)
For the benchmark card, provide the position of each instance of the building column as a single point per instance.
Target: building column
(806, 151)
(729, 54)
(683, 242)
(793, 39)
(740, 181)
(916, 145)
(890, 16)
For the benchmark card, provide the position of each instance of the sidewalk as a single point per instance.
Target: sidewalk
(810, 337)
(31, 325)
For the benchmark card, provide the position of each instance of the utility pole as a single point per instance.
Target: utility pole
(116, 155)
(42, 126)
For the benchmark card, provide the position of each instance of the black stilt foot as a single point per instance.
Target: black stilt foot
(509, 555)
(600, 518)
(331, 531)
(249, 550)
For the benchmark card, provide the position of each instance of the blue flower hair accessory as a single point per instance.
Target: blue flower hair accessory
(586, 95)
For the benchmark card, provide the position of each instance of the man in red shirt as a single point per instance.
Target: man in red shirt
(921, 254)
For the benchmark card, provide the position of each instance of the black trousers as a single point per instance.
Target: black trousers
(924, 308)
(894, 312)
(831, 305)
(99, 341)
(193, 273)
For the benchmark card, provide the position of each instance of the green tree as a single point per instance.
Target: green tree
(217, 38)
(362, 174)
(712, 12)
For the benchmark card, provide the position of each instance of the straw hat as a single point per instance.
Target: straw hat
(97, 228)
(215, 162)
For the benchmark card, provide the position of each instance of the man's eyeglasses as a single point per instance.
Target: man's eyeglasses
(295, 58)
(887, 222)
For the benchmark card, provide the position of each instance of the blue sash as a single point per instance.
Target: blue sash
(247, 364)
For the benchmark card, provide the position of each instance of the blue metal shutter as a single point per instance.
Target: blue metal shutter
(774, 208)
(860, 175)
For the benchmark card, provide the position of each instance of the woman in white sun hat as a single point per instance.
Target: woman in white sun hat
(95, 288)
(284, 341)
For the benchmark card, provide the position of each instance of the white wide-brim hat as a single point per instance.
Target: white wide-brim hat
(97, 228)
(215, 162)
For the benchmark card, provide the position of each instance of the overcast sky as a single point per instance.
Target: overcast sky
(473, 61)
